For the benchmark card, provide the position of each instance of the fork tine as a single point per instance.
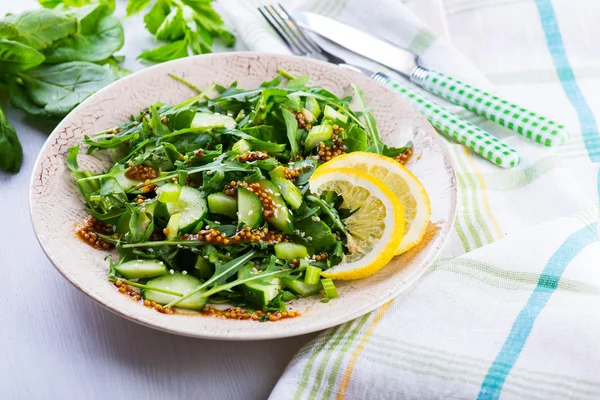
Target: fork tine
(279, 30)
(283, 29)
(307, 41)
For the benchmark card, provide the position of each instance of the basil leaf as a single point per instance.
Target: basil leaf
(40, 28)
(53, 91)
(100, 36)
(15, 56)
(11, 152)
(167, 52)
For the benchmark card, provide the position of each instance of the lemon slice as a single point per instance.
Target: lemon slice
(375, 228)
(410, 191)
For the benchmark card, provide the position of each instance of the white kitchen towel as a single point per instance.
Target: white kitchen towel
(511, 309)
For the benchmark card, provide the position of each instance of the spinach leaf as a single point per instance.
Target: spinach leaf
(11, 152)
(38, 29)
(319, 233)
(8, 30)
(53, 91)
(16, 56)
(100, 36)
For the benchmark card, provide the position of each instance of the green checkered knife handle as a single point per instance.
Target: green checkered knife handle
(455, 127)
(512, 116)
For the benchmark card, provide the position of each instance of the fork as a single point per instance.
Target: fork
(448, 123)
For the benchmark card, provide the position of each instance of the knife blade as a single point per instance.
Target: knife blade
(525, 122)
(362, 43)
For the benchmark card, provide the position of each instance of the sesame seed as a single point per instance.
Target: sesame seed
(184, 272)
(250, 212)
(172, 272)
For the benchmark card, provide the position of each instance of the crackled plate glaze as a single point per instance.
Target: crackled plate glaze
(56, 204)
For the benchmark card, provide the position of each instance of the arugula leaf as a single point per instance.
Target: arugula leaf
(16, 56)
(291, 125)
(53, 91)
(256, 143)
(370, 122)
(38, 29)
(299, 82)
(11, 152)
(355, 139)
(99, 37)
(222, 273)
(395, 151)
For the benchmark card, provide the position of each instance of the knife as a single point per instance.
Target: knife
(512, 116)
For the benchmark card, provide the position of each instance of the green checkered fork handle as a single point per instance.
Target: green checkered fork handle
(455, 127)
(516, 118)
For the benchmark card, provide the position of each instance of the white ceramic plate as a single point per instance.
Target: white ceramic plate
(56, 204)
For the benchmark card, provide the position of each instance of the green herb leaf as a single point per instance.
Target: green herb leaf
(291, 126)
(167, 52)
(15, 57)
(173, 26)
(100, 36)
(8, 30)
(53, 91)
(369, 121)
(38, 29)
(11, 152)
(135, 6)
(156, 16)
(355, 139)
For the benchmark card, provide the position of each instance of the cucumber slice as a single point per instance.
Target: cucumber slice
(278, 172)
(173, 226)
(143, 220)
(169, 193)
(282, 219)
(220, 203)
(290, 251)
(289, 191)
(203, 269)
(136, 269)
(258, 292)
(207, 120)
(249, 208)
(312, 106)
(301, 288)
(177, 283)
(191, 205)
(241, 146)
(309, 118)
(333, 115)
(316, 135)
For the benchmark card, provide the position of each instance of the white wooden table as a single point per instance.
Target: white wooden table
(56, 343)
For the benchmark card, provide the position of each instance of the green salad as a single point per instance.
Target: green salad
(208, 200)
